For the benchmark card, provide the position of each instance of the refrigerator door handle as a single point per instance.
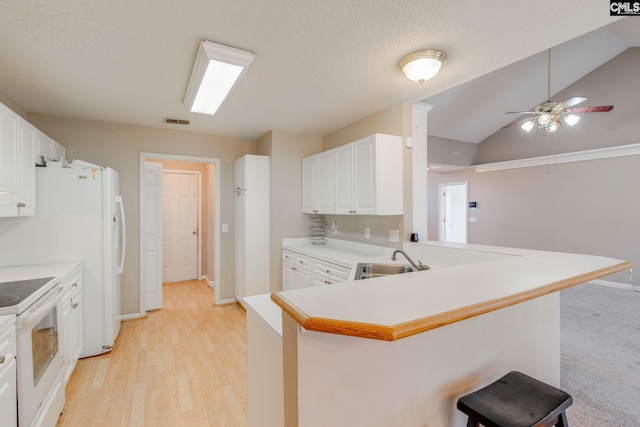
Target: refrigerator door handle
(120, 267)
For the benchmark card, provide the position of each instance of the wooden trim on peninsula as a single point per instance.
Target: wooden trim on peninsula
(406, 329)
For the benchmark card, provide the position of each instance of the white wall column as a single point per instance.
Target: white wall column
(419, 137)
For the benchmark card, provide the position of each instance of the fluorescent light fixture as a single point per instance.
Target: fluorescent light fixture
(215, 73)
(422, 65)
(571, 119)
(528, 125)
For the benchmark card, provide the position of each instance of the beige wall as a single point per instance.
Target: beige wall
(118, 146)
(586, 207)
(287, 220)
(206, 194)
(393, 121)
(444, 151)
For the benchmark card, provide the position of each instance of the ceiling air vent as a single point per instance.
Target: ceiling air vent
(176, 121)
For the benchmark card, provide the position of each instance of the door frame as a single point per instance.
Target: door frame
(199, 214)
(214, 192)
(441, 207)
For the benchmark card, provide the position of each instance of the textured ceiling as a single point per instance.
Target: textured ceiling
(319, 64)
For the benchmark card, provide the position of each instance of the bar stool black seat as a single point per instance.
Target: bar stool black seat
(516, 400)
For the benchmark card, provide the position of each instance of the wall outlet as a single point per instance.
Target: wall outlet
(394, 236)
(225, 228)
(367, 233)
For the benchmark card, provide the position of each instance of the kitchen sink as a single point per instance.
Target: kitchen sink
(371, 270)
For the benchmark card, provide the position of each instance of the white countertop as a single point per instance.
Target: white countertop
(467, 280)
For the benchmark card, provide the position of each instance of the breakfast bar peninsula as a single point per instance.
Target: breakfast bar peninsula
(399, 350)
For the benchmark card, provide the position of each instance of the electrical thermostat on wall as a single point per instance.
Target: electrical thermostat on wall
(473, 205)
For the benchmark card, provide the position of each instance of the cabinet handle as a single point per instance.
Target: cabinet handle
(75, 305)
(1, 359)
(328, 271)
(75, 285)
(20, 205)
(294, 269)
(301, 262)
(326, 282)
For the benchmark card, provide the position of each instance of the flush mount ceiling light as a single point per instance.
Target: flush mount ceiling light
(215, 73)
(422, 65)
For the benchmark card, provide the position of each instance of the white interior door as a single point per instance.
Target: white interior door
(180, 191)
(453, 212)
(152, 229)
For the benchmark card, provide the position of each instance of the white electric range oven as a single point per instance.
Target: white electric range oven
(36, 301)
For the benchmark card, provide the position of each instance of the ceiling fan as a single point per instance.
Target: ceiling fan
(550, 114)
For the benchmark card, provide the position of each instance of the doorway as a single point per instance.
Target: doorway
(181, 225)
(179, 245)
(453, 213)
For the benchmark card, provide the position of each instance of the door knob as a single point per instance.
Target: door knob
(194, 233)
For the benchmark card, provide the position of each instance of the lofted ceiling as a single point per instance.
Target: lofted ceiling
(319, 65)
(474, 110)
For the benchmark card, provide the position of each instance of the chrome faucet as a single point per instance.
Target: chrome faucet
(420, 266)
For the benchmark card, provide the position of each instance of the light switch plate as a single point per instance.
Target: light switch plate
(394, 236)
(473, 219)
(367, 233)
(225, 228)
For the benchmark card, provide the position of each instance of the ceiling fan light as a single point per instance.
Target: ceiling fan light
(571, 119)
(543, 119)
(527, 126)
(552, 126)
(422, 65)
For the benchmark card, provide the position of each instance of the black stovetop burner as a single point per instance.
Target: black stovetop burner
(11, 293)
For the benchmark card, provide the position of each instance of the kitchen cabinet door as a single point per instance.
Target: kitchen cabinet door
(27, 179)
(239, 174)
(317, 184)
(343, 181)
(309, 188)
(9, 151)
(8, 392)
(20, 202)
(324, 183)
(72, 324)
(365, 177)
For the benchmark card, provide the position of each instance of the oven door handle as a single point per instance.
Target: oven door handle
(40, 307)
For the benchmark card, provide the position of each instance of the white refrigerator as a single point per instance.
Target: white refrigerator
(79, 218)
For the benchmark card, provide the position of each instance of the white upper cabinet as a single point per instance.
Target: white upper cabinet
(17, 168)
(317, 183)
(367, 176)
(47, 150)
(249, 173)
(9, 151)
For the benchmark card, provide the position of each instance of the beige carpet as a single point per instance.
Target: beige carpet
(600, 347)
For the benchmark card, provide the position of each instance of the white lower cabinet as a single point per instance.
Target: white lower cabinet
(8, 393)
(301, 271)
(72, 323)
(296, 271)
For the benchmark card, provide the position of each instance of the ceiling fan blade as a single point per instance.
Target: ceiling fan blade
(517, 122)
(572, 101)
(521, 112)
(598, 109)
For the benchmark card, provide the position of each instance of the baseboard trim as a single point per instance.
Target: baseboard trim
(617, 285)
(227, 301)
(132, 316)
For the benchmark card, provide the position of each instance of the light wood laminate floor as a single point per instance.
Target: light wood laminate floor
(182, 365)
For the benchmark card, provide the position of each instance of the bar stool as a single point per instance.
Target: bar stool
(516, 400)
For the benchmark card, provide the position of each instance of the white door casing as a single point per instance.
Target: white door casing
(151, 216)
(180, 201)
(453, 213)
